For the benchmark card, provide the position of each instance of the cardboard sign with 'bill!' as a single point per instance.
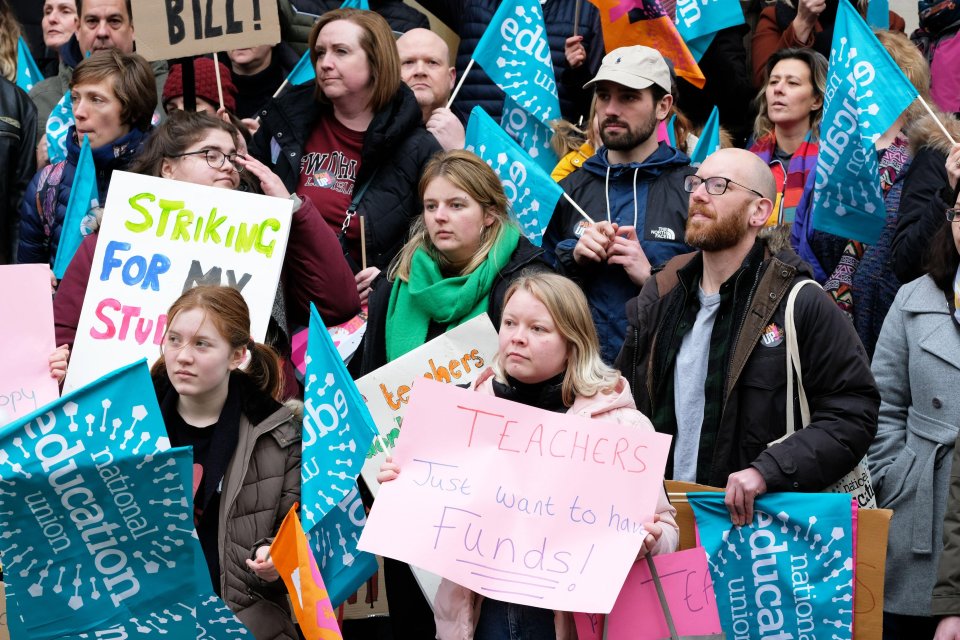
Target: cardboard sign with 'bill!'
(180, 28)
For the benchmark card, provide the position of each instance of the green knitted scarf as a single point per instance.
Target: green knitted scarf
(430, 297)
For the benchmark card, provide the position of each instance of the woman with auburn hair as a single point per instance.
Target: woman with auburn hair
(462, 255)
(549, 357)
(219, 393)
(353, 142)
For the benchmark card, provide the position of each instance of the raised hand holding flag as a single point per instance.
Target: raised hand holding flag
(515, 53)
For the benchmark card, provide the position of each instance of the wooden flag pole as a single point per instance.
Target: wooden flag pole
(363, 245)
(936, 119)
(576, 17)
(216, 70)
(283, 85)
(460, 84)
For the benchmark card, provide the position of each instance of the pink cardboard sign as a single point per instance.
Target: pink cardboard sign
(26, 340)
(686, 583)
(517, 503)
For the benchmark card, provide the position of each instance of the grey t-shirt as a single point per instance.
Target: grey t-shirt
(689, 378)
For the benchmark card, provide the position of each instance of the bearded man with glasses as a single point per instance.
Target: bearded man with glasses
(706, 351)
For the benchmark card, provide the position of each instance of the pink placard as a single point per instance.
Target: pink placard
(589, 625)
(686, 583)
(26, 340)
(517, 503)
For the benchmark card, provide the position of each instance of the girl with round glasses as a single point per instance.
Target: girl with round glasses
(202, 149)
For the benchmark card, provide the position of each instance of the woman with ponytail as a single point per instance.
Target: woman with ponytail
(218, 391)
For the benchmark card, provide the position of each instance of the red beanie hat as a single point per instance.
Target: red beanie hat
(206, 84)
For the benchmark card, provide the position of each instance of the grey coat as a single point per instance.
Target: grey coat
(917, 366)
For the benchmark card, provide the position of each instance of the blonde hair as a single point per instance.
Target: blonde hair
(468, 172)
(569, 137)
(586, 374)
(9, 39)
(817, 65)
(913, 64)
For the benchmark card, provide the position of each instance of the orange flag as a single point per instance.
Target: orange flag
(652, 27)
(293, 559)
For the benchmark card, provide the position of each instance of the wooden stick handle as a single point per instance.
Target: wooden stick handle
(363, 244)
(460, 84)
(216, 70)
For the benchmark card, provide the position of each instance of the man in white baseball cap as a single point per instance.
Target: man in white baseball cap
(632, 188)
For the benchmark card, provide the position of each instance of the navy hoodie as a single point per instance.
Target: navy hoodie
(648, 195)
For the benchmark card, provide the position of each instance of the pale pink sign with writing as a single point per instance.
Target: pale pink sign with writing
(26, 340)
(637, 615)
(517, 503)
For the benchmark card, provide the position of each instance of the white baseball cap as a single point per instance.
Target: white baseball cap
(636, 67)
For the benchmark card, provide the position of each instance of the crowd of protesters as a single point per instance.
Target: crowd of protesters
(665, 311)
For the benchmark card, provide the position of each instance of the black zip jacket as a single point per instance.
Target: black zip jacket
(396, 147)
(18, 142)
(843, 397)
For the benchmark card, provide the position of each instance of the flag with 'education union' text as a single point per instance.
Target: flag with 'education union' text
(337, 427)
(787, 574)
(515, 53)
(58, 125)
(334, 544)
(532, 135)
(866, 93)
(531, 191)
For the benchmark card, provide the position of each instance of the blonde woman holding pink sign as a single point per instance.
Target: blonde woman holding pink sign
(549, 358)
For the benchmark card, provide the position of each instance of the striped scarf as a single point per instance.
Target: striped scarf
(790, 183)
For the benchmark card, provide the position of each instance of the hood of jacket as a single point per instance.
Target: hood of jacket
(620, 397)
(665, 157)
(620, 180)
(927, 134)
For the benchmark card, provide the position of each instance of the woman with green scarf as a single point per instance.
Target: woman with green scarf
(462, 256)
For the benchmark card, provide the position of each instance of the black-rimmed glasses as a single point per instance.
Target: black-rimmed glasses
(215, 158)
(716, 186)
(953, 215)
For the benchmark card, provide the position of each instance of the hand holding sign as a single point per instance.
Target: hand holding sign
(558, 525)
